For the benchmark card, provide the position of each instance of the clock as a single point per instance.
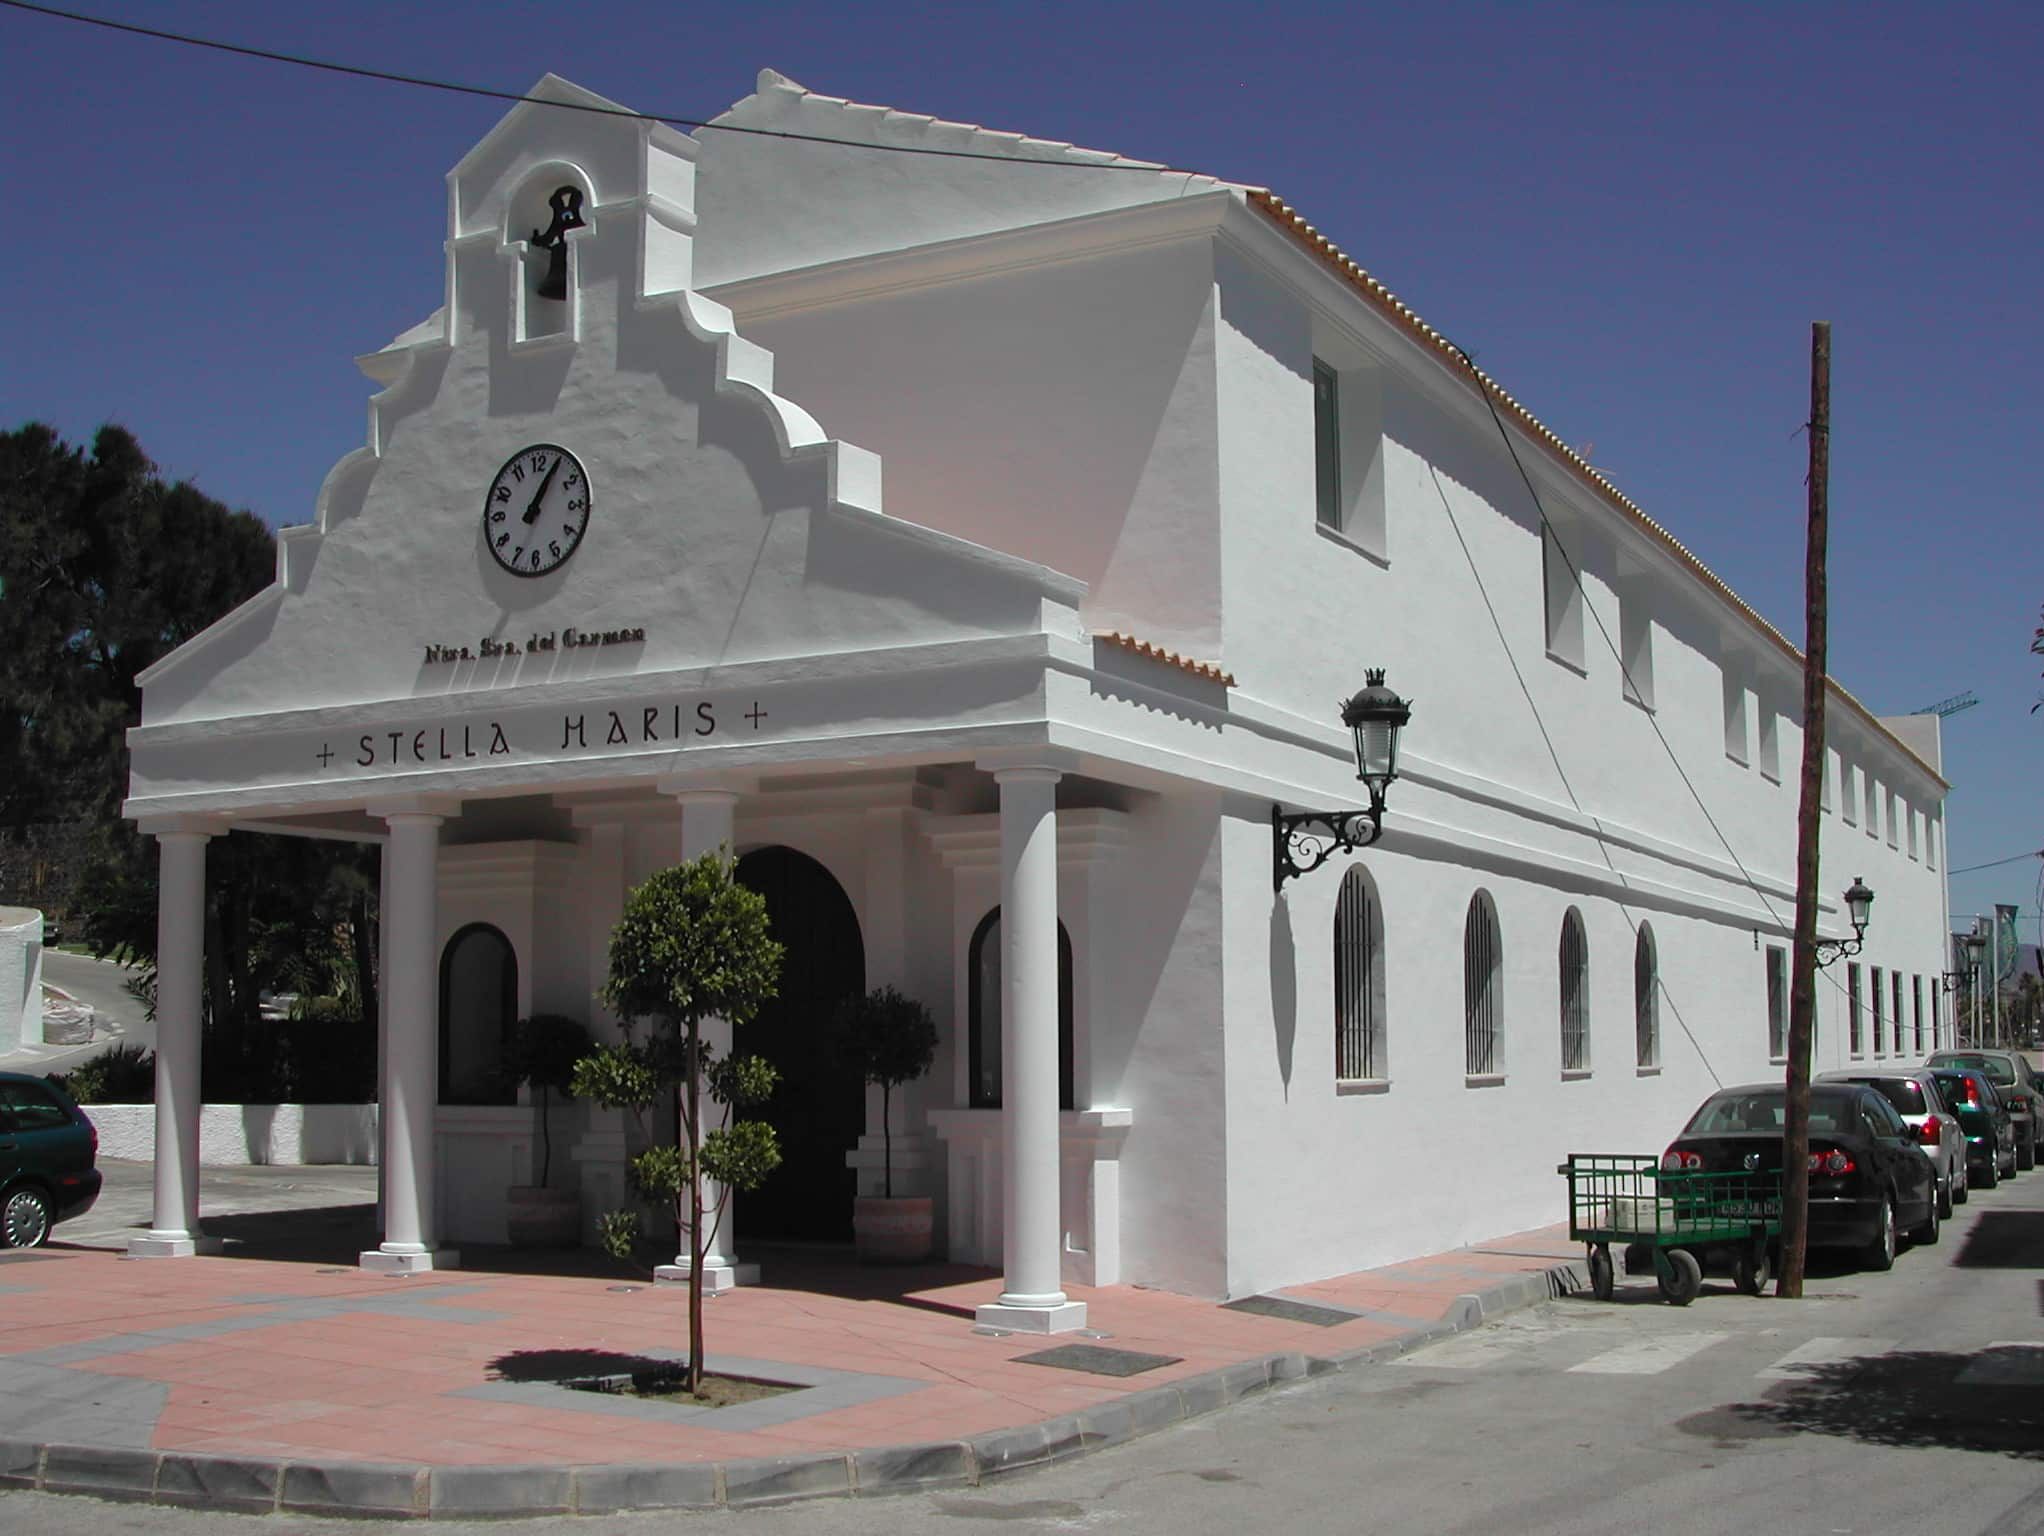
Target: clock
(536, 510)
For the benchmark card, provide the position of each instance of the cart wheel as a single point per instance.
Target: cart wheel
(1600, 1272)
(1682, 1278)
(1752, 1269)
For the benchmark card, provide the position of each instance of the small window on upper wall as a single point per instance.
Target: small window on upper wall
(1777, 1002)
(1892, 838)
(1931, 827)
(1564, 595)
(1873, 823)
(1910, 812)
(1827, 773)
(1636, 645)
(1348, 449)
(1855, 1022)
(1770, 740)
(1848, 792)
(1735, 719)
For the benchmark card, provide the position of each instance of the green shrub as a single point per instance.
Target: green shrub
(122, 1074)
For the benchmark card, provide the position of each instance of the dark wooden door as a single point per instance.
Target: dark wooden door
(819, 1109)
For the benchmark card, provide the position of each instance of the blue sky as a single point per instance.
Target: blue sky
(1631, 214)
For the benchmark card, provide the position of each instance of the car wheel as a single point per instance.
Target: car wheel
(1963, 1190)
(2009, 1170)
(1927, 1234)
(1990, 1173)
(1880, 1250)
(1684, 1278)
(1945, 1199)
(25, 1219)
(2026, 1151)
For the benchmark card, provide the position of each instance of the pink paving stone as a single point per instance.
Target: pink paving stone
(374, 1386)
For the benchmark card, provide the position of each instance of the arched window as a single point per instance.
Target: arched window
(478, 1005)
(1646, 997)
(1482, 1006)
(1575, 994)
(1358, 980)
(983, 1009)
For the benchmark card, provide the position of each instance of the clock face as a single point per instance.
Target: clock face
(536, 511)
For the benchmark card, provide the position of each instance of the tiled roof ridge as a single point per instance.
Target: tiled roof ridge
(1209, 670)
(1384, 300)
(987, 140)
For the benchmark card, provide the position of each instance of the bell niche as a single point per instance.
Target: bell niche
(545, 220)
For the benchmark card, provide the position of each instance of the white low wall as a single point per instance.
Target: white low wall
(21, 978)
(236, 1135)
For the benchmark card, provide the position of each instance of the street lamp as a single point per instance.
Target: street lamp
(1305, 841)
(1976, 945)
(1859, 906)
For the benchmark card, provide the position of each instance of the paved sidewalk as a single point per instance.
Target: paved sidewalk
(260, 1384)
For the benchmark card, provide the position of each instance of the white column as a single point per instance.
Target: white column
(707, 820)
(180, 964)
(411, 1080)
(382, 1013)
(1032, 1298)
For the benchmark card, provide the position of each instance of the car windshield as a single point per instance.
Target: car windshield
(1763, 1109)
(1905, 1094)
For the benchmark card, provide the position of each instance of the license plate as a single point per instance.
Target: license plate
(1750, 1208)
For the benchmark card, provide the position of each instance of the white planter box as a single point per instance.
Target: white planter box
(240, 1135)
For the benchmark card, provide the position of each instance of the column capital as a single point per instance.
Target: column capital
(1031, 762)
(163, 828)
(414, 809)
(707, 789)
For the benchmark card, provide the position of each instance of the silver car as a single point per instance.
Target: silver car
(1936, 1128)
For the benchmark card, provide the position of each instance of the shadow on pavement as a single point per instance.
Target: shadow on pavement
(2003, 1240)
(1986, 1401)
(570, 1364)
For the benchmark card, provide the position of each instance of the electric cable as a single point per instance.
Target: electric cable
(2014, 858)
(427, 82)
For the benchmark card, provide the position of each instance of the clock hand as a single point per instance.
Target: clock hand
(538, 496)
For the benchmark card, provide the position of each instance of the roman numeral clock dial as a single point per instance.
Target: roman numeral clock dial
(536, 510)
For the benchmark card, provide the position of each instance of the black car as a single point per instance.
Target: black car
(47, 1151)
(1990, 1130)
(1868, 1176)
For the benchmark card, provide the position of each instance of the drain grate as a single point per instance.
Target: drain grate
(1291, 1311)
(1097, 1361)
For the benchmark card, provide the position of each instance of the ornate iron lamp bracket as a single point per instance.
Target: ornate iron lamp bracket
(1829, 950)
(1307, 840)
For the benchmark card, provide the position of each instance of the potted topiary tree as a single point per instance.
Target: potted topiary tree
(891, 1040)
(541, 1054)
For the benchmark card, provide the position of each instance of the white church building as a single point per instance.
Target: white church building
(981, 545)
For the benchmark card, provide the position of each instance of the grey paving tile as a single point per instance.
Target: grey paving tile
(1319, 1314)
(455, 1492)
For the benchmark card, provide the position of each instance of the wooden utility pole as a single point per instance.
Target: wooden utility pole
(1795, 1140)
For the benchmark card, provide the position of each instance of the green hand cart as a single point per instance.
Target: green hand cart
(1681, 1218)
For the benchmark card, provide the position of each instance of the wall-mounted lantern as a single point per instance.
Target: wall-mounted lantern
(1305, 841)
(1859, 906)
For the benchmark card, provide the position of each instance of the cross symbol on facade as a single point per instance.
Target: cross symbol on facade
(755, 714)
(326, 754)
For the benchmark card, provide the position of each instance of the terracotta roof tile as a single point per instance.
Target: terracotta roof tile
(1206, 669)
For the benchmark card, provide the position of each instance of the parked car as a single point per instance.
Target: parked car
(2009, 1071)
(47, 1154)
(1869, 1179)
(1990, 1130)
(1916, 1099)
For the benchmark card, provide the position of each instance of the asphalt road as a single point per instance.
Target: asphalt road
(1906, 1402)
(102, 985)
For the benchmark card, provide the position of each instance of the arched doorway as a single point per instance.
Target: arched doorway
(819, 1109)
(478, 1005)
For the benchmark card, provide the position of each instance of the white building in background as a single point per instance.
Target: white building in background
(1163, 474)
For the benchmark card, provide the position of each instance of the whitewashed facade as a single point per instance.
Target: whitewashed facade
(1099, 624)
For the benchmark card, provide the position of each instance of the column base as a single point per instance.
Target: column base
(716, 1277)
(378, 1261)
(1060, 1317)
(172, 1245)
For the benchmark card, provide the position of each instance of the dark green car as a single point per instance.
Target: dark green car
(47, 1151)
(2010, 1074)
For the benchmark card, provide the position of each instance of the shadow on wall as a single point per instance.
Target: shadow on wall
(1984, 1401)
(1284, 988)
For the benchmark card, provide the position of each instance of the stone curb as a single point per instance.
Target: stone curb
(251, 1485)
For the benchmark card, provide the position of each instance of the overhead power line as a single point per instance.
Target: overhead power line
(2014, 858)
(427, 82)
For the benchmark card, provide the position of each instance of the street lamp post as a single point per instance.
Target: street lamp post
(1305, 840)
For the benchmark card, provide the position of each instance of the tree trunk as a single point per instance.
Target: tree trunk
(886, 1145)
(362, 942)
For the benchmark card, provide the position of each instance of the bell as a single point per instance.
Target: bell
(566, 203)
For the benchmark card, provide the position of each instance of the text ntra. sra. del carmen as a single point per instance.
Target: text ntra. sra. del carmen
(569, 639)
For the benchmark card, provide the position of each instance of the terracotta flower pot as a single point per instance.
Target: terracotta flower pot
(544, 1218)
(893, 1231)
